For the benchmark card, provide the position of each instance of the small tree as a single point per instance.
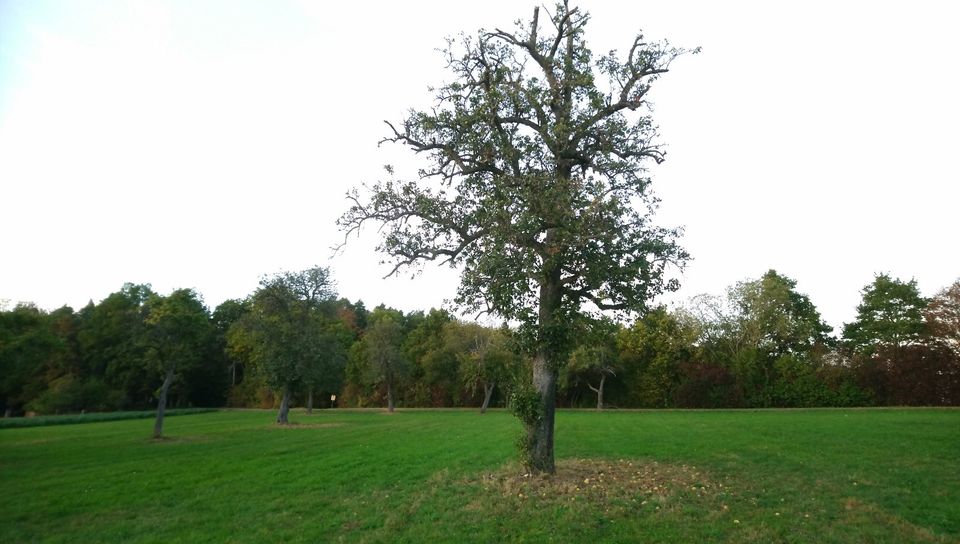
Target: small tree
(595, 359)
(485, 360)
(178, 332)
(536, 185)
(386, 362)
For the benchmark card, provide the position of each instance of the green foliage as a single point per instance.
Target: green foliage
(525, 404)
(776, 319)
(535, 182)
(484, 355)
(177, 334)
(28, 348)
(69, 394)
(111, 344)
(386, 362)
(291, 335)
(651, 352)
(890, 314)
(760, 322)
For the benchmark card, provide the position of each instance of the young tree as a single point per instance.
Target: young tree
(595, 359)
(178, 333)
(386, 362)
(536, 184)
(226, 314)
(485, 360)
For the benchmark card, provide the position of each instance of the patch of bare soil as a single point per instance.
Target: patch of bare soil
(601, 480)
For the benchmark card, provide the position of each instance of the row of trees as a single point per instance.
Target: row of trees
(113, 355)
(762, 344)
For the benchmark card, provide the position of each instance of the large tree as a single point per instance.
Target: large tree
(536, 184)
(651, 352)
(288, 334)
(889, 316)
(111, 344)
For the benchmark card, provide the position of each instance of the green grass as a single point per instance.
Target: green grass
(93, 417)
(422, 476)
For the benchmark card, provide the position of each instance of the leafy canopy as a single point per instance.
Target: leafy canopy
(535, 178)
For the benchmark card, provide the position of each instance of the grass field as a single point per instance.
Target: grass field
(427, 476)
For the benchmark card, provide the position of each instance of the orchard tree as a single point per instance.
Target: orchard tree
(485, 359)
(176, 336)
(226, 314)
(535, 184)
(286, 333)
(595, 359)
(386, 363)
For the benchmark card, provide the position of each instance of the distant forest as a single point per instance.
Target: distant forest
(761, 344)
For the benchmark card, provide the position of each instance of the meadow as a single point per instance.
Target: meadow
(867, 475)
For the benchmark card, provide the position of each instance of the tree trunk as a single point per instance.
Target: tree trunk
(310, 401)
(540, 433)
(284, 406)
(603, 378)
(389, 396)
(162, 403)
(487, 393)
(540, 456)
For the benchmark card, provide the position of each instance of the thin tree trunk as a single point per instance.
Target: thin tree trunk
(389, 396)
(310, 400)
(233, 374)
(603, 378)
(487, 393)
(162, 403)
(284, 406)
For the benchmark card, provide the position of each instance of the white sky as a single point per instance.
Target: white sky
(205, 143)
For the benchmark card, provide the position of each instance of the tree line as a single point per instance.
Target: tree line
(294, 342)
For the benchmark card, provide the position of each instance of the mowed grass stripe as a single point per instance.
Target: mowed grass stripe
(793, 475)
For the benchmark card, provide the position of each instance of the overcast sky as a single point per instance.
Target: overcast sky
(204, 143)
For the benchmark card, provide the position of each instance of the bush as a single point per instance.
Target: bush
(69, 394)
